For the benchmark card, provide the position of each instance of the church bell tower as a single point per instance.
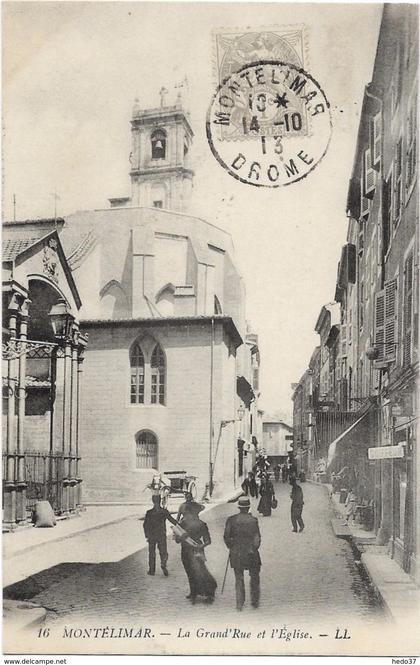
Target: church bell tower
(161, 175)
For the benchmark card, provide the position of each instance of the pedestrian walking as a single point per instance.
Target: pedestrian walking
(249, 486)
(194, 539)
(267, 496)
(189, 505)
(262, 463)
(350, 505)
(297, 505)
(253, 487)
(242, 537)
(154, 526)
(292, 468)
(284, 473)
(276, 470)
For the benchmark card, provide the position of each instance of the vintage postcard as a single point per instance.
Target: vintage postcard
(210, 329)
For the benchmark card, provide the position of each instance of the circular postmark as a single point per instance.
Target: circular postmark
(269, 124)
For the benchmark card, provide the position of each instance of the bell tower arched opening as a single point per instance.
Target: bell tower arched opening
(161, 176)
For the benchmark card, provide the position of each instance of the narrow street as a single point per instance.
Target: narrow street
(304, 576)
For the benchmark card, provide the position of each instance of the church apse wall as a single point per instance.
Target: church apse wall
(116, 464)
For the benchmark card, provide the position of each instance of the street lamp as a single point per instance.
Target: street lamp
(241, 412)
(61, 319)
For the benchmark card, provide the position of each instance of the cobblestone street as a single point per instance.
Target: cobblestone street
(304, 575)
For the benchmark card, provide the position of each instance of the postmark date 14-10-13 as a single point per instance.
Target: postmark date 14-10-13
(269, 124)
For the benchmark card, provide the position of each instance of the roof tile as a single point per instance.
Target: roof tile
(13, 247)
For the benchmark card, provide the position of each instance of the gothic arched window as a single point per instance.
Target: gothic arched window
(157, 367)
(146, 450)
(137, 375)
(147, 372)
(158, 140)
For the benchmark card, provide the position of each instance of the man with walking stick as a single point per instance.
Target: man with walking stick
(242, 537)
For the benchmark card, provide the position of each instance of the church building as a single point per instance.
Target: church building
(167, 383)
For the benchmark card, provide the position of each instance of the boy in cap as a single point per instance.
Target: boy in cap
(242, 537)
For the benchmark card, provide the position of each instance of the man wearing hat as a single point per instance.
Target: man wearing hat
(154, 526)
(242, 537)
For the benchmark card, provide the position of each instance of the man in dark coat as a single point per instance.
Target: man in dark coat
(297, 505)
(249, 485)
(154, 526)
(242, 537)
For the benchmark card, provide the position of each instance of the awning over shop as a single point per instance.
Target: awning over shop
(333, 446)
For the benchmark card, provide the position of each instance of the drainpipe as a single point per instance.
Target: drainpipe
(211, 469)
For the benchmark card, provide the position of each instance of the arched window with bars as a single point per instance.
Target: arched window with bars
(157, 369)
(146, 450)
(137, 375)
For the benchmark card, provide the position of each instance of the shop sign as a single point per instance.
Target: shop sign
(386, 452)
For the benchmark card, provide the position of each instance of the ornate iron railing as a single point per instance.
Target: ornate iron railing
(44, 477)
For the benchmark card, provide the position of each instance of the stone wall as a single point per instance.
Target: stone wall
(182, 426)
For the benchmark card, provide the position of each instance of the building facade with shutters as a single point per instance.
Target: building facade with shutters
(170, 369)
(248, 391)
(386, 227)
(369, 421)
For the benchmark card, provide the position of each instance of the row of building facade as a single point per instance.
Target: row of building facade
(355, 407)
(144, 301)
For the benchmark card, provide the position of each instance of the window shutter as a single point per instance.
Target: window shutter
(347, 266)
(411, 167)
(390, 319)
(386, 213)
(343, 336)
(376, 140)
(408, 310)
(364, 204)
(398, 182)
(379, 335)
(331, 360)
(350, 328)
(351, 263)
(369, 175)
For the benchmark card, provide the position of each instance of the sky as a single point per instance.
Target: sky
(71, 71)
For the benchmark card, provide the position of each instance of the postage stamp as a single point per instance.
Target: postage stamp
(235, 48)
(269, 123)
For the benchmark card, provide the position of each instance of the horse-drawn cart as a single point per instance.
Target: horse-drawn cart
(172, 484)
(181, 482)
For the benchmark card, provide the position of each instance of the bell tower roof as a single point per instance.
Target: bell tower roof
(161, 115)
